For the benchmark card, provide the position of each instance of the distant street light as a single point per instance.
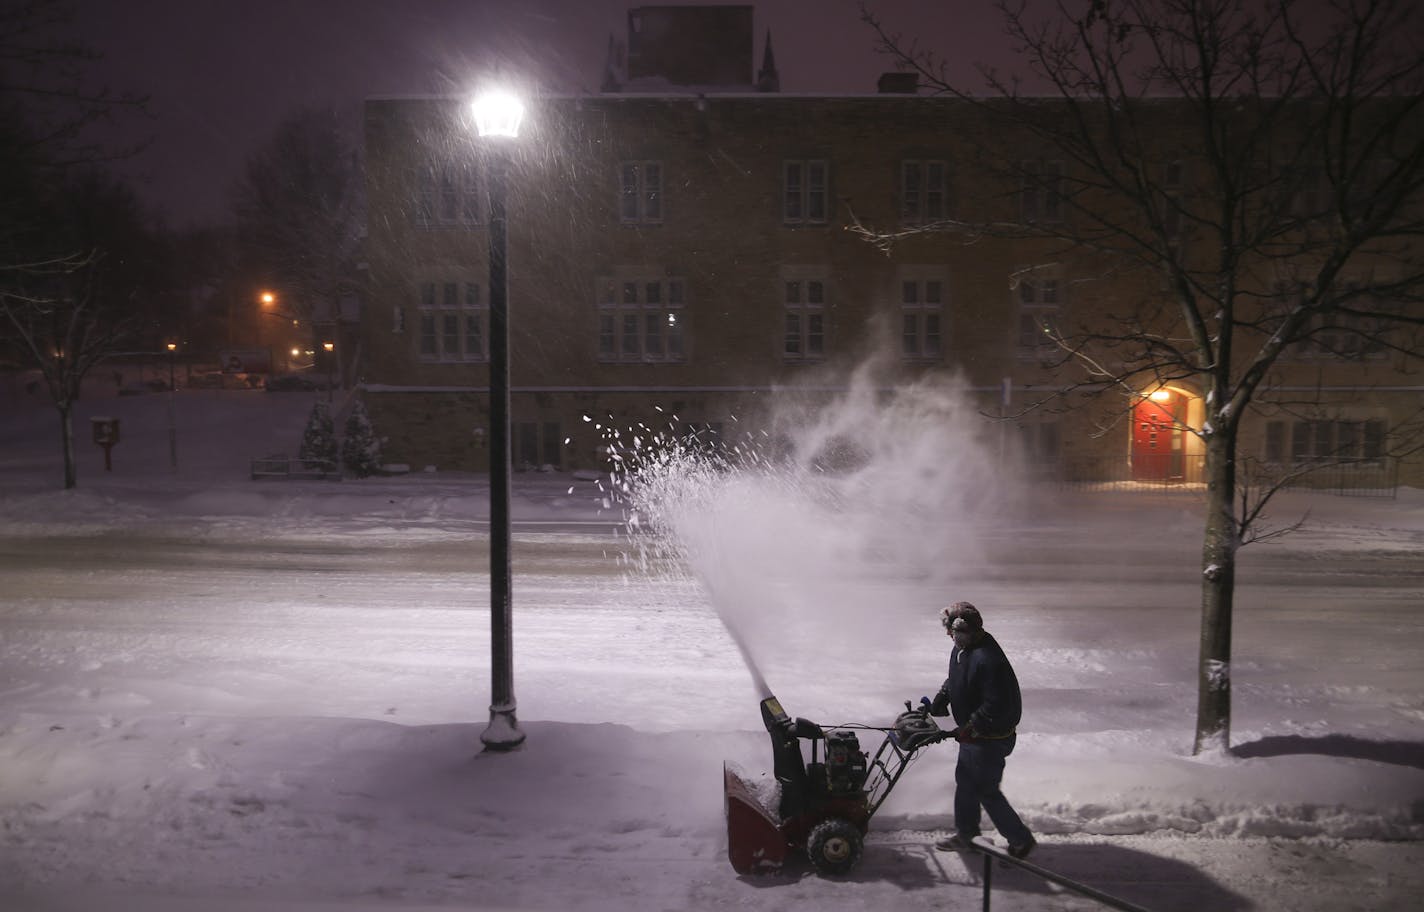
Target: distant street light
(172, 408)
(266, 301)
(497, 116)
(330, 348)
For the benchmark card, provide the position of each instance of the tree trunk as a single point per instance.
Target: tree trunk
(1219, 548)
(66, 432)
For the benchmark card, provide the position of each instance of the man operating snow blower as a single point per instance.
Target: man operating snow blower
(822, 806)
(982, 693)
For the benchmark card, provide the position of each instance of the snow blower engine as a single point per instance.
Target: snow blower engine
(825, 804)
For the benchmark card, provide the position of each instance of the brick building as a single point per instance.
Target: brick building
(688, 253)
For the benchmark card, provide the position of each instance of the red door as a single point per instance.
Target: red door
(1157, 440)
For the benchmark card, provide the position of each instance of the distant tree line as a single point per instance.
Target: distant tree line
(87, 272)
(79, 259)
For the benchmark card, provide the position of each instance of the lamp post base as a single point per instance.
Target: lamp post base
(503, 733)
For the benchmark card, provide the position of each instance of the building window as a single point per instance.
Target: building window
(1349, 336)
(803, 298)
(1336, 334)
(640, 192)
(1042, 446)
(1041, 191)
(453, 321)
(1301, 443)
(923, 191)
(538, 444)
(1040, 306)
(642, 319)
(804, 192)
(448, 193)
(922, 316)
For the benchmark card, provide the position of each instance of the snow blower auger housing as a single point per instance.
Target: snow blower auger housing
(825, 805)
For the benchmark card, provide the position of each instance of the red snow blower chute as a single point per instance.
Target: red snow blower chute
(825, 804)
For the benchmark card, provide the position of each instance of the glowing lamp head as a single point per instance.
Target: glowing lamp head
(268, 297)
(172, 346)
(1161, 395)
(329, 346)
(498, 113)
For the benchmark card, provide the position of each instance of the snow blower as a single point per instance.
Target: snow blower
(824, 806)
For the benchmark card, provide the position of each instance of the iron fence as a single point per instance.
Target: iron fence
(1186, 475)
(992, 852)
(1360, 478)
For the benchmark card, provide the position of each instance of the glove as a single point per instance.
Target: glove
(965, 734)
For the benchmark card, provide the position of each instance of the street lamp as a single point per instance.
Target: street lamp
(267, 301)
(497, 116)
(172, 409)
(330, 348)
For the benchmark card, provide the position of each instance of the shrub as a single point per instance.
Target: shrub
(319, 440)
(360, 447)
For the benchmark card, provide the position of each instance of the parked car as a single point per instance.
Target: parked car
(290, 383)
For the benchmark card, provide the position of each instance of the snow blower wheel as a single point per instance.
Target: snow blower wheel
(825, 804)
(834, 846)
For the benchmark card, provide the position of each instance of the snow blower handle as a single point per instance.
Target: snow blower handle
(914, 728)
(927, 709)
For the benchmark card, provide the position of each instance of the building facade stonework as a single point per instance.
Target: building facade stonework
(681, 261)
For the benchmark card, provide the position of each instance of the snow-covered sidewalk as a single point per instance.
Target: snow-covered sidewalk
(218, 693)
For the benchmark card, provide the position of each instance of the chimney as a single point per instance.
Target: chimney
(898, 83)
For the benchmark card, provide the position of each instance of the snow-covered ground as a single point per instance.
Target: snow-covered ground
(224, 693)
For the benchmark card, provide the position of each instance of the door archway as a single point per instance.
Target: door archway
(1164, 450)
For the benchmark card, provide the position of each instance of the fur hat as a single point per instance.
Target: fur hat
(961, 616)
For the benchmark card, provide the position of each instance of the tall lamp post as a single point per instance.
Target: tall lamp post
(330, 349)
(497, 116)
(267, 301)
(172, 408)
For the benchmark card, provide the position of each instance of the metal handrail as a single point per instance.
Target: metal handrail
(991, 851)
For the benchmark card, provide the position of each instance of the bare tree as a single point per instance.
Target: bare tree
(1262, 162)
(48, 111)
(65, 228)
(300, 207)
(76, 300)
(45, 83)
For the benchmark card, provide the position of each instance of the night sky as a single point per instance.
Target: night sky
(221, 74)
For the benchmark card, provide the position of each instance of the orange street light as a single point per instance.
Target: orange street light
(330, 348)
(172, 409)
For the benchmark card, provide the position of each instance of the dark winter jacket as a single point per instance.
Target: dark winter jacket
(981, 691)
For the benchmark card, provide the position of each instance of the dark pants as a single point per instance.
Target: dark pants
(976, 785)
